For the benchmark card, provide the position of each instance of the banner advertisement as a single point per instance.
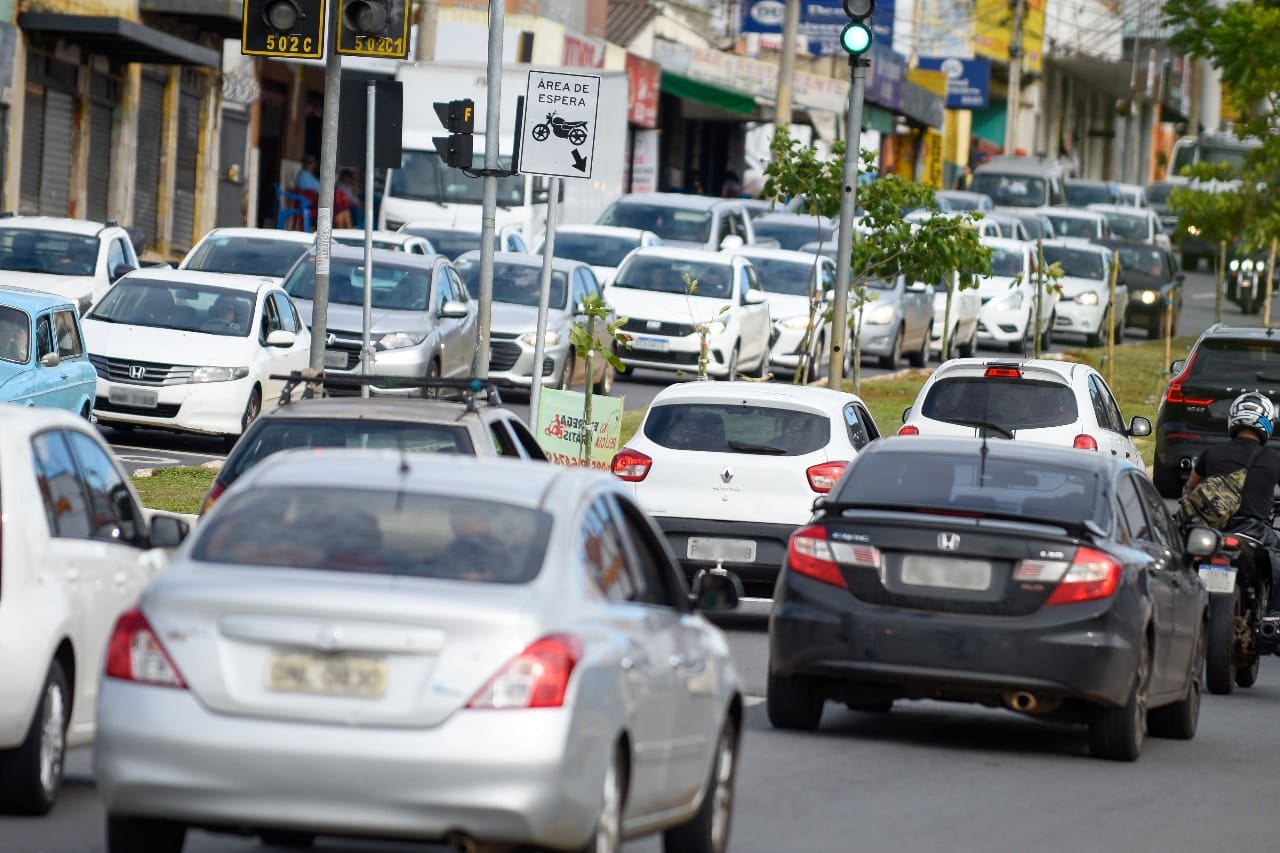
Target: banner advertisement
(968, 80)
(820, 22)
(644, 163)
(559, 427)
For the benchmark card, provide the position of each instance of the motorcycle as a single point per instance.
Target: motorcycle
(574, 131)
(1245, 283)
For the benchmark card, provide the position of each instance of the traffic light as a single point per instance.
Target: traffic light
(289, 28)
(374, 28)
(459, 118)
(856, 36)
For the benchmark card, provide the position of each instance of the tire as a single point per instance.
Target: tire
(819, 363)
(732, 373)
(1178, 721)
(577, 136)
(604, 385)
(966, 349)
(31, 774)
(708, 831)
(565, 382)
(136, 834)
(921, 357)
(287, 839)
(1099, 338)
(1116, 734)
(607, 836)
(1247, 675)
(1168, 481)
(894, 359)
(793, 704)
(540, 132)
(1220, 651)
(1021, 345)
(251, 411)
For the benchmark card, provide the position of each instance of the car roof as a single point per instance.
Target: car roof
(32, 301)
(603, 230)
(384, 257)
(385, 236)
(965, 194)
(1068, 457)
(86, 227)
(523, 259)
(414, 410)
(1075, 213)
(765, 253)
(1006, 243)
(678, 254)
(754, 392)
(276, 234)
(681, 200)
(1129, 210)
(1082, 245)
(442, 227)
(228, 281)
(28, 419)
(1226, 330)
(1019, 165)
(1044, 368)
(1090, 182)
(785, 218)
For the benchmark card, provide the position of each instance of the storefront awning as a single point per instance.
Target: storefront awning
(122, 39)
(707, 93)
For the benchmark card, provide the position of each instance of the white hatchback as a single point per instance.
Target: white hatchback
(1008, 295)
(76, 553)
(730, 470)
(1051, 402)
(1085, 307)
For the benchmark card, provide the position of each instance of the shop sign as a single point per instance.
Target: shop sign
(582, 52)
(968, 80)
(645, 79)
(887, 77)
(560, 427)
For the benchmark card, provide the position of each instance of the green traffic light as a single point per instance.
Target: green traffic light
(856, 38)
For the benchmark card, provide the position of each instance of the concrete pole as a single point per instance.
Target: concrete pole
(844, 243)
(428, 12)
(1014, 99)
(787, 64)
(489, 201)
(328, 170)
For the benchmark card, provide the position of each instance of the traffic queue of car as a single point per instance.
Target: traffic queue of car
(395, 620)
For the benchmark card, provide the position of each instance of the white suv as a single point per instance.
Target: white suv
(730, 470)
(76, 552)
(1050, 402)
(76, 259)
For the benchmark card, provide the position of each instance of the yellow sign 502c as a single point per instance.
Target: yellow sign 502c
(287, 28)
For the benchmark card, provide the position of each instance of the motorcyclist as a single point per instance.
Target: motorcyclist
(1250, 422)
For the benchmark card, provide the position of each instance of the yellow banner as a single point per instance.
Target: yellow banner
(993, 31)
(933, 158)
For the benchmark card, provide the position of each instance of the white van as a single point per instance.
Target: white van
(1021, 182)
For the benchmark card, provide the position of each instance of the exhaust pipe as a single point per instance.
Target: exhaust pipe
(1185, 463)
(460, 842)
(1023, 702)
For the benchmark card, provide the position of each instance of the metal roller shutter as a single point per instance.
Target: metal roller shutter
(32, 150)
(101, 107)
(55, 164)
(184, 188)
(150, 138)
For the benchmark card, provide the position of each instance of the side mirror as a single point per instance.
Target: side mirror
(829, 295)
(281, 338)
(1201, 541)
(1139, 426)
(1176, 367)
(121, 270)
(168, 532)
(732, 241)
(453, 310)
(715, 590)
(917, 287)
(50, 359)
(754, 297)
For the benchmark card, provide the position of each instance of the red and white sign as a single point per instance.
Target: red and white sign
(644, 163)
(582, 52)
(645, 77)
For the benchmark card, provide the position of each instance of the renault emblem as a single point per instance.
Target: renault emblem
(137, 371)
(949, 541)
(726, 475)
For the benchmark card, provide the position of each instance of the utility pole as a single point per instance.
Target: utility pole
(787, 66)
(1013, 102)
(328, 172)
(428, 12)
(489, 201)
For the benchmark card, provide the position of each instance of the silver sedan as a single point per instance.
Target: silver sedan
(484, 652)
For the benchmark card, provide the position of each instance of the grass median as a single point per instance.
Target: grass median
(175, 489)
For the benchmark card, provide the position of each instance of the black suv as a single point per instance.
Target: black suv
(1223, 364)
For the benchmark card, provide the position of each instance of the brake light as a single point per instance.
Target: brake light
(134, 653)
(1173, 394)
(631, 465)
(1084, 441)
(1230, 542)
(1003, 373)
(538, 677)
(1092, 576)
(809, 554)
(909, 430)
(823, 478)
(215, 492)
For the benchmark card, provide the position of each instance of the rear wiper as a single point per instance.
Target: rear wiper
(984, 425)
(762, 449)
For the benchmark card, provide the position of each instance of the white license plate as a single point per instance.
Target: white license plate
(136, 397)
(327, 675)
(335, 358)
(651, 344)
(946, 572)
(728, 550)
(1218, 578)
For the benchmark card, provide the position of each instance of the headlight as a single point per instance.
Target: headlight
(1009, 302)
(1247, 265)
(531, 338)
(715, 327)
(218, 374)
(881, 315)
(1234, 265)
(1193, 230)
(795, 322)
(1089, 297)
(400, 340)
(1149, 297)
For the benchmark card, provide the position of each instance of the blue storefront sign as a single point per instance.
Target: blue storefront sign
(968, 80)
(820, 21)
(887, 76)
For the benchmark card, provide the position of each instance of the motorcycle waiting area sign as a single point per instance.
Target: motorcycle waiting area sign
(558, 129)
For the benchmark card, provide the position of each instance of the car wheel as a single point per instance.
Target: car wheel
(1098, 338)
(793, 704)
(966, 348)
(251, 411)
(433, 372)
(607, 837)
(708, 832)
(565, 382)
(31, 774)
(135, 834)
(1117, 734)
(894, 358)
(1022, 345)
(920, 358)
(605, 384)
(287, 839)
(1168, 481)
(1178, 721)
(1046, 337)
(1220, 653)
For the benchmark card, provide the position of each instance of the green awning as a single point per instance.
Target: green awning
(709, 94)
(988, 124)
(877, 118)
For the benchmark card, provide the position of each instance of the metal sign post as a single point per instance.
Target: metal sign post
(366, 351)
(544, 303)
(844, 244)
(324, 206)
(489, 200)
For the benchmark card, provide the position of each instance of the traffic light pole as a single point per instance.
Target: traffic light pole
(544, 306)
(328, 172)
(366, 344)
(489, 201)
(848, 206)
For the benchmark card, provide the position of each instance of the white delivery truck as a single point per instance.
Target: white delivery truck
(423, 188)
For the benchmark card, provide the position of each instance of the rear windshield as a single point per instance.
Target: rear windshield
(271, 435)
(385, 532)
(1076, 263)
(669, 223)
(1011, 403)
(247, 255)
(1078, 195)
(720, 428)
(1073, 226)
(952, 482)
(792, 235)
(1129, 227)
(1227, 362)
(1012, 190)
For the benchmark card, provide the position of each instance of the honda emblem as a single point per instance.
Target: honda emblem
(137, 371)
(331, 339)
(949, 541)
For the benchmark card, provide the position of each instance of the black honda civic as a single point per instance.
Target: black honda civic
(1050, 581)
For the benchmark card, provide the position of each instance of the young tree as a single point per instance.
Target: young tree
(586, 342)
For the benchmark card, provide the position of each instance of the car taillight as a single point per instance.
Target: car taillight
(631, 465)
(1091, 576)
(1084, 441)
(1173, 394)
(215, 492)
(134, 653)
(538, 677)
(823, 478)
(809, 554)
(909, 430)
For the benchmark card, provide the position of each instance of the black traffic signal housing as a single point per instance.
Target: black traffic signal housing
(856, 37)
(288, 28)
(459, 118)
(374, 28)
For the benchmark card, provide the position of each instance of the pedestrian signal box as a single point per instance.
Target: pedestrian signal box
(287, 28)
(374, 28)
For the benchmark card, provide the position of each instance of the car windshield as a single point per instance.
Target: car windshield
(1079, 195)
(247, 255)
(952, 482)
(1076, 263)
(516, 284)
(1011, 190)
(669, 275)
(1129, 227)
(450, 242)
(376, 531)
(182, 306)
(745, 428)
(393, 287)
(669, 223)
(358, 242)
(791, 278)
(1143, 260)
(1234, 363)
(49, 252)
(597, 250)
(271, 435)
(1011, 403)
(1074, 226)
(964, 202)
(15, 335)
(1005, 262)
(1037, 228)
(1159, 193)
(792, 235)
(423, 177)
(1008, 228)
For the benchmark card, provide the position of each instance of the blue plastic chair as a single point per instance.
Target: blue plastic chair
(284, 214)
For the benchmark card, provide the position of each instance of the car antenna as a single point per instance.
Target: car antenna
(982, 462)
